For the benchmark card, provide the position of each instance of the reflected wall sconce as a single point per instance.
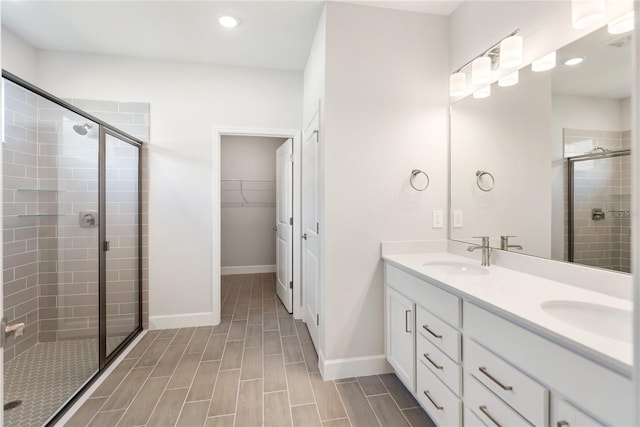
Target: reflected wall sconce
(457, 84)
(545, 63)
(485, 92)
(623, 24)
(507, 53)
(585, 13)
(509, 80)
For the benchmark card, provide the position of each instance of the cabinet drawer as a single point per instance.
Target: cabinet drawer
(521, 392)
(488, 407)
(439, 333)
(438, 301)
(565, 414)
(440, 364)
(471, 420)
(441, 403)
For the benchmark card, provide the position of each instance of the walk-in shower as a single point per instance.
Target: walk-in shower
(72, 250)
(598, 201)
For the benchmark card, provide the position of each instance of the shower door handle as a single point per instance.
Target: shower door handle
(106, 246)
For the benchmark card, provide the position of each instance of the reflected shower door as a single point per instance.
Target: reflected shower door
(121, 233)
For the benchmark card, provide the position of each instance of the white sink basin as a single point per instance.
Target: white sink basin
(599, 319)
(456, 268)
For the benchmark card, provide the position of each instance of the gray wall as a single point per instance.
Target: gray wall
(247, 228)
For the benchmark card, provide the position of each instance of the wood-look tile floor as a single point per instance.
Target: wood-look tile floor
(257, 368)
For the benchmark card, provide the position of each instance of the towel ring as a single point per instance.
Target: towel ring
(414, 174)
(479, 175)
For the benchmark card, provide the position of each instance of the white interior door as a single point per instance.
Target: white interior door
(284, 224)
(310, 230)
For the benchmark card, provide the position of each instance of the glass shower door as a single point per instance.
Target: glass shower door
(122, 245)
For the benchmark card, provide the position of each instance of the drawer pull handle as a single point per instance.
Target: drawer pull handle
(426, 356)
(438, 407)
(406, 320)
(492, 378)
(426, 328)
(486, 412)
(562, 423)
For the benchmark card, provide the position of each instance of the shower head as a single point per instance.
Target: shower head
(82, 129)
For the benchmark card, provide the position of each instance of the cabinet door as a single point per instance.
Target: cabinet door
(400, 325)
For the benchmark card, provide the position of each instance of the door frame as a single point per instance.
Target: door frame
(216, 243)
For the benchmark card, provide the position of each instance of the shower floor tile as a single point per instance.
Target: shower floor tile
(44, 377)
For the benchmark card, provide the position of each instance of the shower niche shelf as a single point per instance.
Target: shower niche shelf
(39, 215)
(37, 190)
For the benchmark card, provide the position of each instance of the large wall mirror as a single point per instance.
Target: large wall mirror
(547, 161)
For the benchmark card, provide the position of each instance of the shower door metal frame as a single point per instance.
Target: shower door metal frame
(570, 193)
(104, 360)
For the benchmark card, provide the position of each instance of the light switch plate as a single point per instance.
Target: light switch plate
(437, 218)
(457, 218)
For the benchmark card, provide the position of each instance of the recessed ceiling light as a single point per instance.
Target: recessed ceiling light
(573, 61)
(228, 21)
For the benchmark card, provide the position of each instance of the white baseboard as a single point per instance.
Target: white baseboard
(180, 321)
(247, 269)
(353, 367)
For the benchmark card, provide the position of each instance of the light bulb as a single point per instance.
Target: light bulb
(509, 80)
(545, 63)
(457, 84)
(481, 70)
(511, 52)
(228, 21)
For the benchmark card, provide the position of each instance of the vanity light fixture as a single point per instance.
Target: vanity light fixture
(545, 63)
(585, 13)
(228, 21)
(509, 80)
(574, 61)
(481, 70)
(457, 84)
(511, 52)
(482, 93)
(623, 24)
(483, 64)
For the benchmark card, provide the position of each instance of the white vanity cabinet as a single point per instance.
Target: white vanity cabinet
(400, 340)
(492, 370)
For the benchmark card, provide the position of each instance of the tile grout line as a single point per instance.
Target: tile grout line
(394, 400)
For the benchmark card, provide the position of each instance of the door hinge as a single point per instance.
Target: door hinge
(291, 284)
(106, 246)
(317, 132)
(317, 319)
(317, 228)
(291, 221)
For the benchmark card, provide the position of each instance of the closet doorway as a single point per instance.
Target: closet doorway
(258, 206)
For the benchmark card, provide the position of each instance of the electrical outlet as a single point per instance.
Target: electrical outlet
(457, 218)
(437, 219)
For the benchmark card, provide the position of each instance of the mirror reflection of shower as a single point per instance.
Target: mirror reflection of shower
(82, 129)
(598, 198)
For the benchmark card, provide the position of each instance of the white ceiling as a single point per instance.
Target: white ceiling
(272, 34)
(606, 71)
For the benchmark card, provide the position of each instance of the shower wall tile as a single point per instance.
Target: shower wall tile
(20, 233)
(603, 184)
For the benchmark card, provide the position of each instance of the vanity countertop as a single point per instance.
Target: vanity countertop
(518, 296)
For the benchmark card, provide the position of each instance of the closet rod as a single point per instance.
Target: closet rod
(248, 180)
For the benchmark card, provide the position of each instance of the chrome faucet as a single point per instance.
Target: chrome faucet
(504, 243)
(486, 250)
